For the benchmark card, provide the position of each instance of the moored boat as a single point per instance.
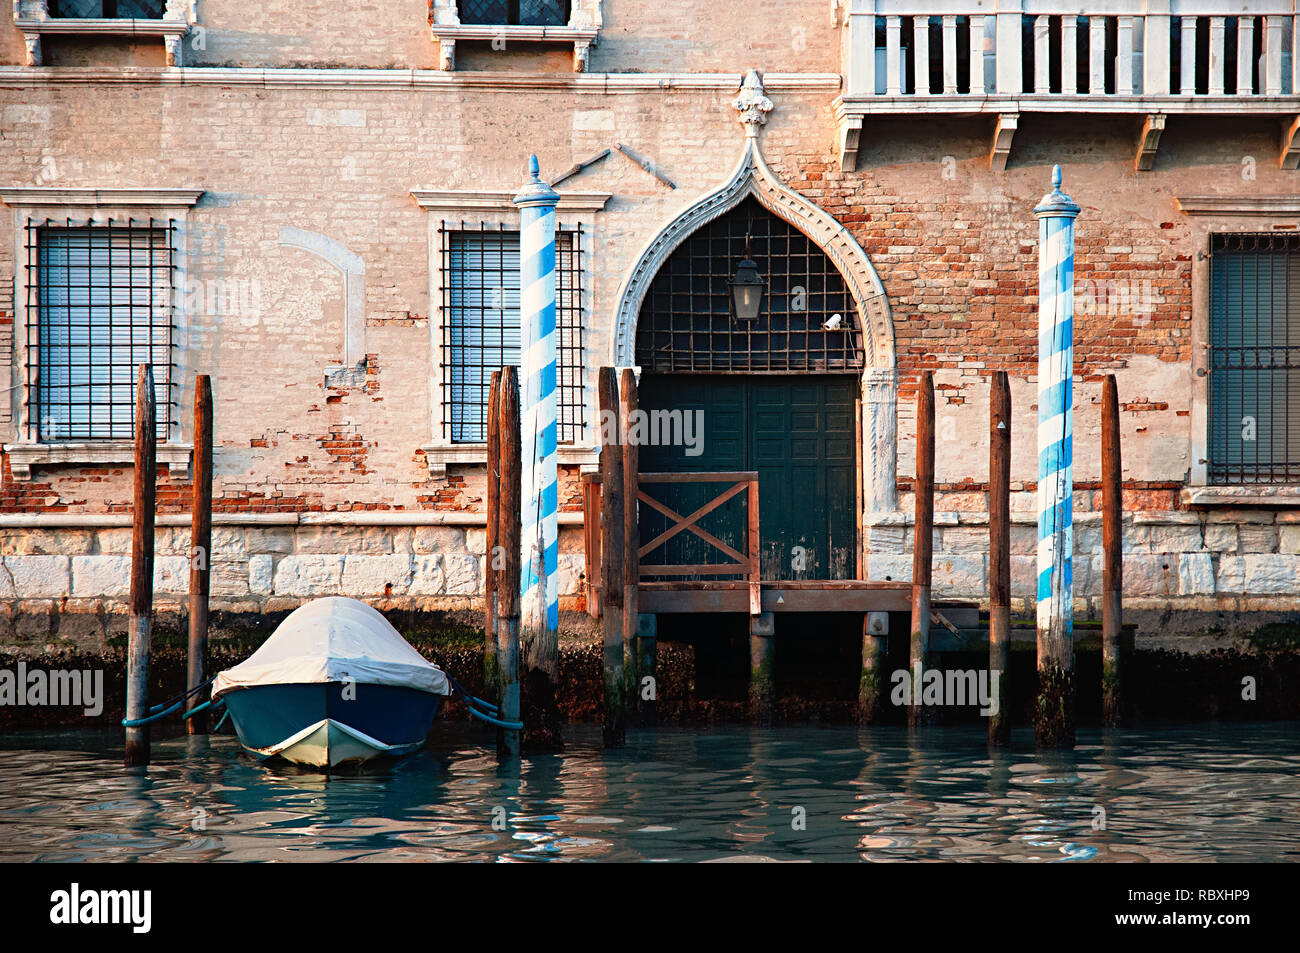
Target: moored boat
(334, 684)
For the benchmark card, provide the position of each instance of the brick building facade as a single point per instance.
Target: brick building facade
(310, 180)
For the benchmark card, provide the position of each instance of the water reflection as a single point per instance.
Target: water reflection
(792, 793)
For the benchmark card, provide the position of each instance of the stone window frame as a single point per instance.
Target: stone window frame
(35, 205)
(582, 30)
(1207, 215)
(32, 17)
(447, 209)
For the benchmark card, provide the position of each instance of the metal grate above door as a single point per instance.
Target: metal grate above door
(686, 322)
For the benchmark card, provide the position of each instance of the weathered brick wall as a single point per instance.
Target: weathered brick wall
(794, 36)
(724, 36)
(954, 243)
(267, 320)
(72, 583)
(956, 247)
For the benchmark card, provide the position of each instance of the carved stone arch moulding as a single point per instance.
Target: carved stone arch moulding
(880, 378)
(753, 177)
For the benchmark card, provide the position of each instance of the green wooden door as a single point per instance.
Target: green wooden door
(798, 433)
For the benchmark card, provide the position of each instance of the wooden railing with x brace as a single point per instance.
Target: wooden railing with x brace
(742, 563)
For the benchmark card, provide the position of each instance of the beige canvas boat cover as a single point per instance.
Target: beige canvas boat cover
(334, 640)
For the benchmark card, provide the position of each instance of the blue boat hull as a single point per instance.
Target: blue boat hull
(318, 725)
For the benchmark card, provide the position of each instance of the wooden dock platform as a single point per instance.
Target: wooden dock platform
(777, 595)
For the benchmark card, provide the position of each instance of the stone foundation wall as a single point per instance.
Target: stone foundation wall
(1207, 562)
(68, 587)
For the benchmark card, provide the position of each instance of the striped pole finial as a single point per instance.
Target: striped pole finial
(540, 583)
(1055, 615)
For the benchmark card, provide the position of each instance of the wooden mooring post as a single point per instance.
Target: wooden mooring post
(200, 551)
(922, 546)
(492, 542)
(1054, 609)
(1112, 543)
(539, 345)
(872, 678)
(142, 542)
(509, 539)
(612, 550)
(638, 649)
(999, 555)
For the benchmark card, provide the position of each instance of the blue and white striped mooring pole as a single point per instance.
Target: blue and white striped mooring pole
(540, 609)
(1056, 214)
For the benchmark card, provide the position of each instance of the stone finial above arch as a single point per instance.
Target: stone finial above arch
(753, 177)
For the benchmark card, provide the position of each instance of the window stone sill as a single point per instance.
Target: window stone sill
(104, 27)
(24, 456)
(439, 456)
(1241, 496)
(447, 34)
(172, 32)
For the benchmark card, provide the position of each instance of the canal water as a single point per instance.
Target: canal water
(1221, 792)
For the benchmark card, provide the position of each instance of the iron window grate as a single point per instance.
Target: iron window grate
(100, 305)
(515, 12)
(686, 321)
(1254, 380)
(480, 325)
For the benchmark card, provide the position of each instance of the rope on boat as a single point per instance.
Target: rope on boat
(151, 718)
(184, 695)
(158, 712)
(511, 725)
(473, 703)
(463, 692)
(194, 711)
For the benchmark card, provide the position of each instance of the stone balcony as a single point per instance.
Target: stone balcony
(1144, 58)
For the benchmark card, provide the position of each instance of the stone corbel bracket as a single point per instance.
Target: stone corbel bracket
(33, 19)
(850, 134)
(1003, 134)
(1149, 142)
(582, 30)
(1290, 158)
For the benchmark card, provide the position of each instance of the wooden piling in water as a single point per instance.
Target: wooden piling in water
(612, 548)
(200, 550)
(142, 541)
(1112, 542)
(922, 546)
(762, 667)
(509, 539)
(492, 541)
(635, 654)
(872, 679)
(999, 555)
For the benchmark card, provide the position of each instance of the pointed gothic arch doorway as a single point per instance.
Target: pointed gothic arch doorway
(777, 394)
(877, 381)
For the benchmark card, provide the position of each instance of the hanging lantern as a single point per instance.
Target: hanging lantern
(747, 289)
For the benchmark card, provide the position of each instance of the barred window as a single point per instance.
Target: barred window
(99, 307)
(480, 326)
(1254, 384)
(107, 9)
(515, 12)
